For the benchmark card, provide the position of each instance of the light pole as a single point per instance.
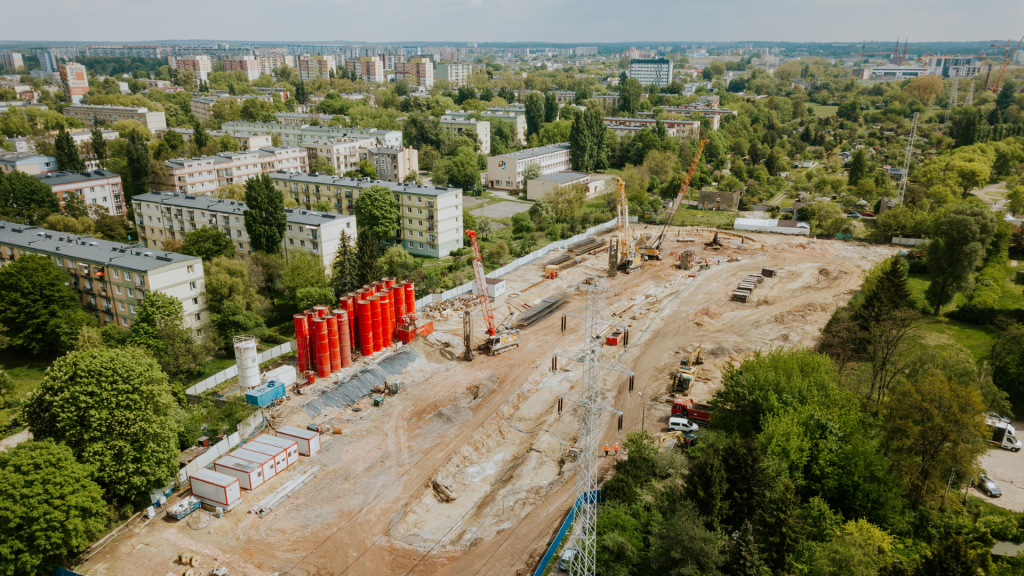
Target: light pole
(643, 412)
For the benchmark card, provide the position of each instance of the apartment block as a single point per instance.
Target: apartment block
(246, 64)
(27, 162)
(505, 172)
(657, 72)
(11, 60)
(457, 73)
(96, 115)
(341, 153)
(690, 112)
(112, 278)
(431, 215)
(586, 50)
(681, 128)
(300, 119)
(200, 64)
(516, 119)
(316, 66)
(417, 72)
(393, 164)
(369, 68)
(246, 141)
(93, 187)
(208, 173)
(953, 66)
(75, 80)
(292, 135)
(168, 216)
(458, 126)
(270, 62)
(202, 106)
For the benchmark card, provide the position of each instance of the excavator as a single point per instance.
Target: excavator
(683, 377)
(499, 338)
(651, 249)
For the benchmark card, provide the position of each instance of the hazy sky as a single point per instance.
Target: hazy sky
(571, 21)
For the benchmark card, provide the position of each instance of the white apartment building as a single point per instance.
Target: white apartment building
(246, 141)
(505, 172)
(517, 120)
(417, 72)
(293, 135)
(393, 164)
(198, 63)
(457, 126)
(112, 278)
(96, 115)
(431, 215)
(202, 106)
(341, 153)
(208, 173)
(657, 72)
(458, 73)
(953, 66)
(316, 66)
(893, 73)
(163, 216)
(75, 80)
(11, 60)
(93, 187)
(267, 64)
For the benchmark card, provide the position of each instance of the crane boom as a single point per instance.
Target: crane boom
(682, 189)
(481, 284)
(1006, 62)
(622, 210)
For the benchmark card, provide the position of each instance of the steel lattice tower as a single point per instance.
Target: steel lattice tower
(952, 101)
(906, 159)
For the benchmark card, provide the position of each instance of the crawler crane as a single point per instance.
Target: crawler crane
(499, 338)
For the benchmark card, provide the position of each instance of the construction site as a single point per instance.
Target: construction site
(475, 439)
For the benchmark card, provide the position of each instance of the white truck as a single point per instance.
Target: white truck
(1003, 434)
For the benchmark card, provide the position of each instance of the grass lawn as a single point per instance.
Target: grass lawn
(822, 111)
(26, 372)
(691, 216)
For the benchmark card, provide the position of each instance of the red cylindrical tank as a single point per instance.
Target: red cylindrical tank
(365, 328)
(399, 295)
(378, 286)
(321, 311)
(410, 298)
(350, 309)
(385, 318)
(344, 339)
(389, 281)
(378, 335)
(333, 342)
(323, 348)
(310, 315)
(302, 341)
(370, 288)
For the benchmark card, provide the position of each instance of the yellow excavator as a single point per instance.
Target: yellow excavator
(683, 377)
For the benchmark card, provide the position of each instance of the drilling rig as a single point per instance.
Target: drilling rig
(651, 250)
(499, 338)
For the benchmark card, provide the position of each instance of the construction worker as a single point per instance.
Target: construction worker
(616, 448)
(606, 450)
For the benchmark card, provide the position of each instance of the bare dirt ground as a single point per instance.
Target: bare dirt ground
(488, 430)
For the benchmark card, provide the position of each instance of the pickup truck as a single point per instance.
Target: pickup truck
(695, 411)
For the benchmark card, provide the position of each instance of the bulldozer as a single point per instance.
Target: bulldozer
(683, 376)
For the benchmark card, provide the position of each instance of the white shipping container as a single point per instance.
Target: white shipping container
(215, 489)
(291, 447)
(279, 454)
(265, 461)
(284, 374)
(249, 474)
(309, 441)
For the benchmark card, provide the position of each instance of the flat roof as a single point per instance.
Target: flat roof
(534, 152)
(57, 178)
(327, 180)
(62, 244)
(235, 207)
(563, 177)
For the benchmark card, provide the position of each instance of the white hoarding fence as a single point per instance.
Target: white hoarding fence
(908, 241)
(245, 430)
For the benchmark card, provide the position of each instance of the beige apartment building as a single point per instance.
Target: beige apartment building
(417, 72)
(198, 63)
(202, 106)
(341, 153)
(96, 115)
(393, 164)
(208, 173)
(458, 126)
(458, 73)
(93, 188)
(246, 64)
(517, 120)
(246, 141)
(369, 68)
(316, 66)
(270, 62)
(75, 80)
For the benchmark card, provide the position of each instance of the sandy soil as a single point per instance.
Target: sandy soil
(488, 430)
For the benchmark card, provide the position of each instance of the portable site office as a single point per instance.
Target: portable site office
(249, 474)
(215, 489)
(309, 441)
(291, 447)
(265, 461)
(279, 454)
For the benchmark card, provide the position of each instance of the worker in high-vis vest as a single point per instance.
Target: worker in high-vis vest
(616, 448)
(605, 449)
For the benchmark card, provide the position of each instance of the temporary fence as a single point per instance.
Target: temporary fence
(516, 264)
(245, 429)
(908, 241)
(592, 496)
(232, 371)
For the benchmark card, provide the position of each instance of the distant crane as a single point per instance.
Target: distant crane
(906, 160)
(1007, 56)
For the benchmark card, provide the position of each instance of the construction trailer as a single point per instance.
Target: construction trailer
(290, 447)
(308, 440)
(265, 461)
(249, 474)
(279, 454)
(215, 489)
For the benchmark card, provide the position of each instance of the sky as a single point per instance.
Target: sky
(551, 21)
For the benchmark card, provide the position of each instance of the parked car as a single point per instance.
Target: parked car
(853, 215)
(868, 214)
(682, 425)
(567, 556)
(988, 487)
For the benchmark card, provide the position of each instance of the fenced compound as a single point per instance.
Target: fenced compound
(245, 429)
(232, 371)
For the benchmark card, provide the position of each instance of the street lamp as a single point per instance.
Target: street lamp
(643, 411)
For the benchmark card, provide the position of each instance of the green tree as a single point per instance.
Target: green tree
(26, 199)
(779, 526)
(322, 205)
(305, 278)
(364, 169)
(376, 212)
(50, 508)
(368, 255)
(967, 126)
(67, 152)
(265, 218)
(1015, 198)
(744, 557)
(633, 473)
(207, 243)
(706, 486)
(110, 227)
(581, 145)
(40, 312)
(136, 177)
(160, 328)
(886, 290)
(113, 409)
(957, 247)
(229, 280)
(534, 113)
(397, 263)
(498, 254)
(522, 224)
(951, 557)
(550, 107)
(858, 167)
(772, 163)
(344, 268)
(99, 147)
(630, 93)
(82, 225)
(321, 166)
(199, 136)
(1007, 94)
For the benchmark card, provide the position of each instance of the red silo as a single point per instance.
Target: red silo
(399, 295)
(389, 282)
(365, 327)
(344, 339)
(321, 311)
(323, 348)
(378, 286)
(302, 341)
(350, 309)
(333, 342)
(378, 336)
(387, 329)
(310, 315)
(410, 298)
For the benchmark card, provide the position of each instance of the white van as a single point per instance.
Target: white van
(682, 425)
(567, 556)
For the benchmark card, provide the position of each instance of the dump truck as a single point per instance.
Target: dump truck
(1003, 434)
(695, 411)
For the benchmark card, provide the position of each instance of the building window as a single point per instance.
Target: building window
(124, 321)
(128, 276)
(131, 293)
(195, 301)
(192, 285)
(190, 270)
(120, 306)
(116, 275)
(291, 242)
(199, 317)
(117, 290)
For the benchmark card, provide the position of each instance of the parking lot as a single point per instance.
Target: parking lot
(1007, 469)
